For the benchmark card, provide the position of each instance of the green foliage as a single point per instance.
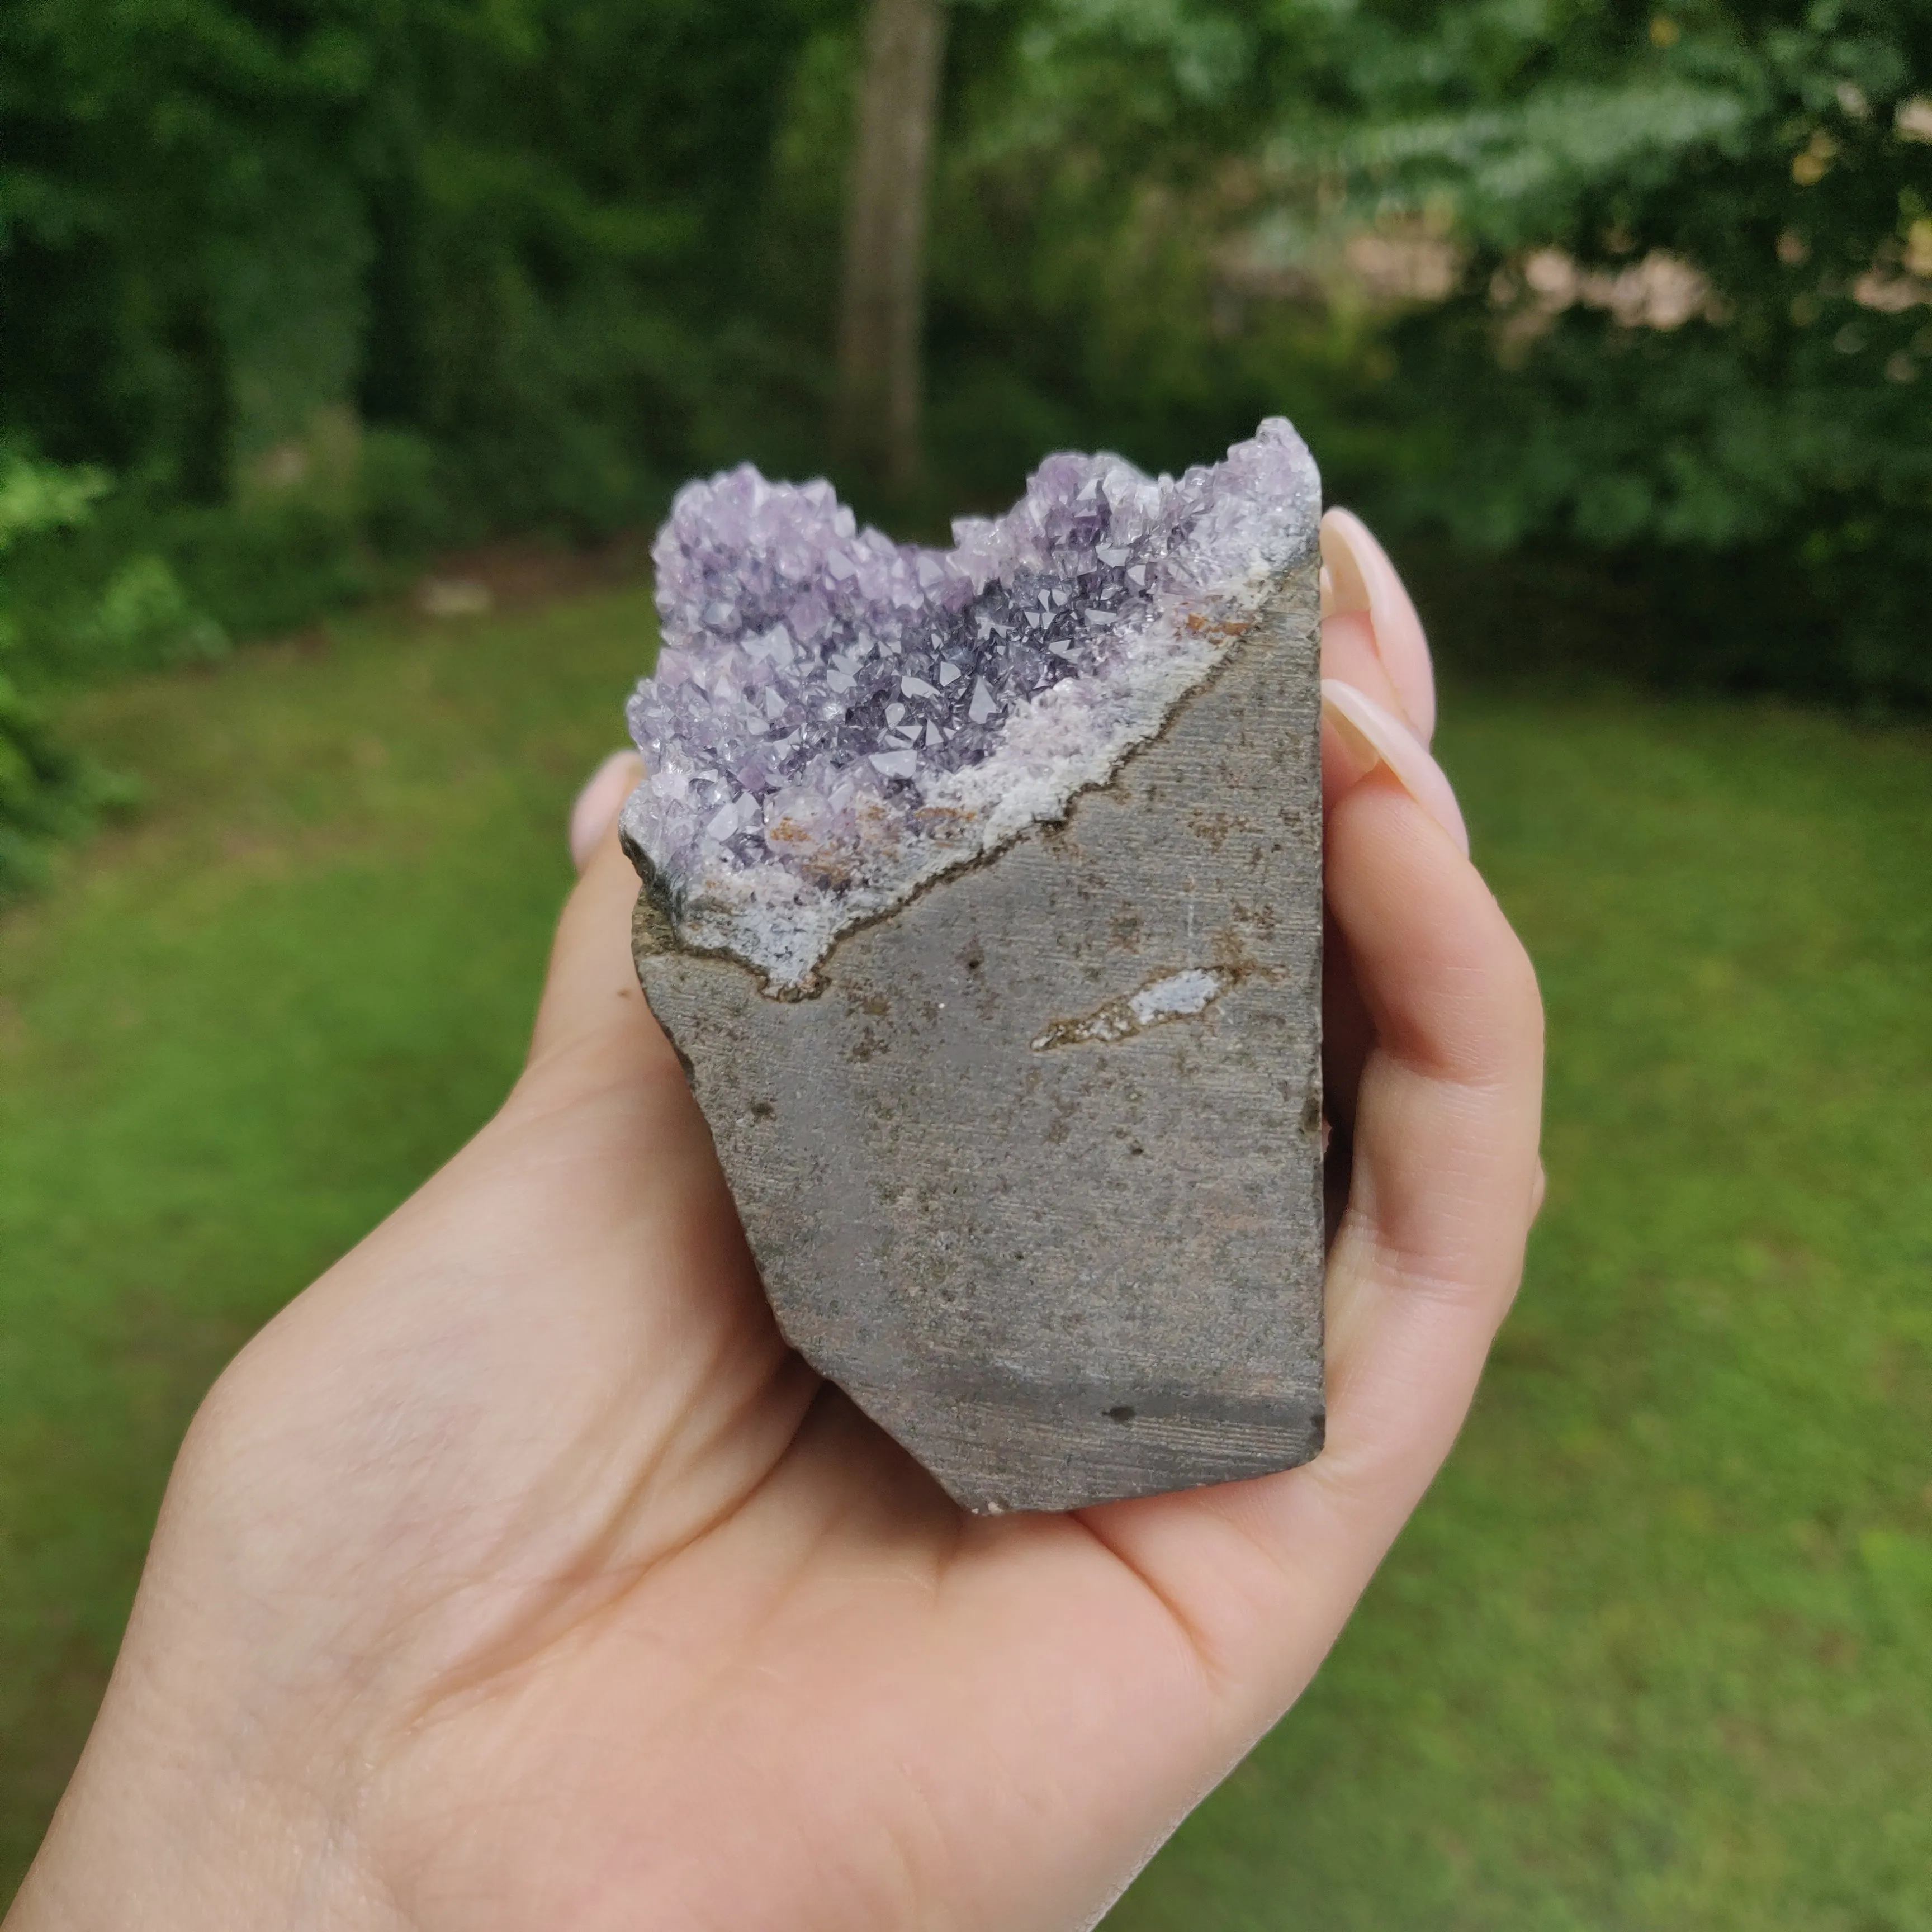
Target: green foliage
(327, 280)
(38, 496)
(144, 616)
(37, 789)
(1788, 414)
(46, 790)
(512, 229)
(1677, 308)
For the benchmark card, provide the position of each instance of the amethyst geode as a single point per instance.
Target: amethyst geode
(835, 717)
(983, 904)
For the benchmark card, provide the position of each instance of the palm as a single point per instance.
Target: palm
(518, 1576)
(632, 1571)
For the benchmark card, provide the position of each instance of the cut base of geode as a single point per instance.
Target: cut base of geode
(1029, 1152)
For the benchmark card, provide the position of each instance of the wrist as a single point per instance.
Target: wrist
(154, 1833)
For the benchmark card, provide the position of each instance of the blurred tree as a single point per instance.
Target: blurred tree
(880, 305)
(522, 231)
(180, 192)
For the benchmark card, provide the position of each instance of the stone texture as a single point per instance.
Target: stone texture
(1032, 1171)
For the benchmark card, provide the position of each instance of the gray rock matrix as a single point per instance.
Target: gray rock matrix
(1031, 1163)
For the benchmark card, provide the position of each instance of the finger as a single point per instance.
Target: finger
(593, 1008)
(1358, 577)
(1348, 652)
(1358, 734)
(1264, 1572)
(599, 803)
(1447, 1118)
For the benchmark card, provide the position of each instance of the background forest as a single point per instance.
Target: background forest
(291, 289)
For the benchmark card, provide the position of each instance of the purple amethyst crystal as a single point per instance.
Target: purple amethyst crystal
(836, 719)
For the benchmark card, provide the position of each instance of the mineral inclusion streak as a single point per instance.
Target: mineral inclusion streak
(983, 902)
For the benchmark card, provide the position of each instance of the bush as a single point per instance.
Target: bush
(47, 791)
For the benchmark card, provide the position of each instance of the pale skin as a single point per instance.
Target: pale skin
(517, 1578)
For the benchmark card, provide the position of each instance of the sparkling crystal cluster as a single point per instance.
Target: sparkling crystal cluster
(836, 718)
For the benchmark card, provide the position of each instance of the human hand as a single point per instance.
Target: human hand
(517, 1575)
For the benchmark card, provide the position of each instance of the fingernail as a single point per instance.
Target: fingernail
(1356, 575)
(600, 801)
(1378, 737)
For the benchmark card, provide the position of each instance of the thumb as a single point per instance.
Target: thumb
(599, 803)
(592, 1008)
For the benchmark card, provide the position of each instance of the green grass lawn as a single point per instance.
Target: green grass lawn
(1657, 1650)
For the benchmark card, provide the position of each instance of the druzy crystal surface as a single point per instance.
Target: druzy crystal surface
(836, 718)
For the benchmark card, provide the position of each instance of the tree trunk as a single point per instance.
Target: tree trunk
(876, 424)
